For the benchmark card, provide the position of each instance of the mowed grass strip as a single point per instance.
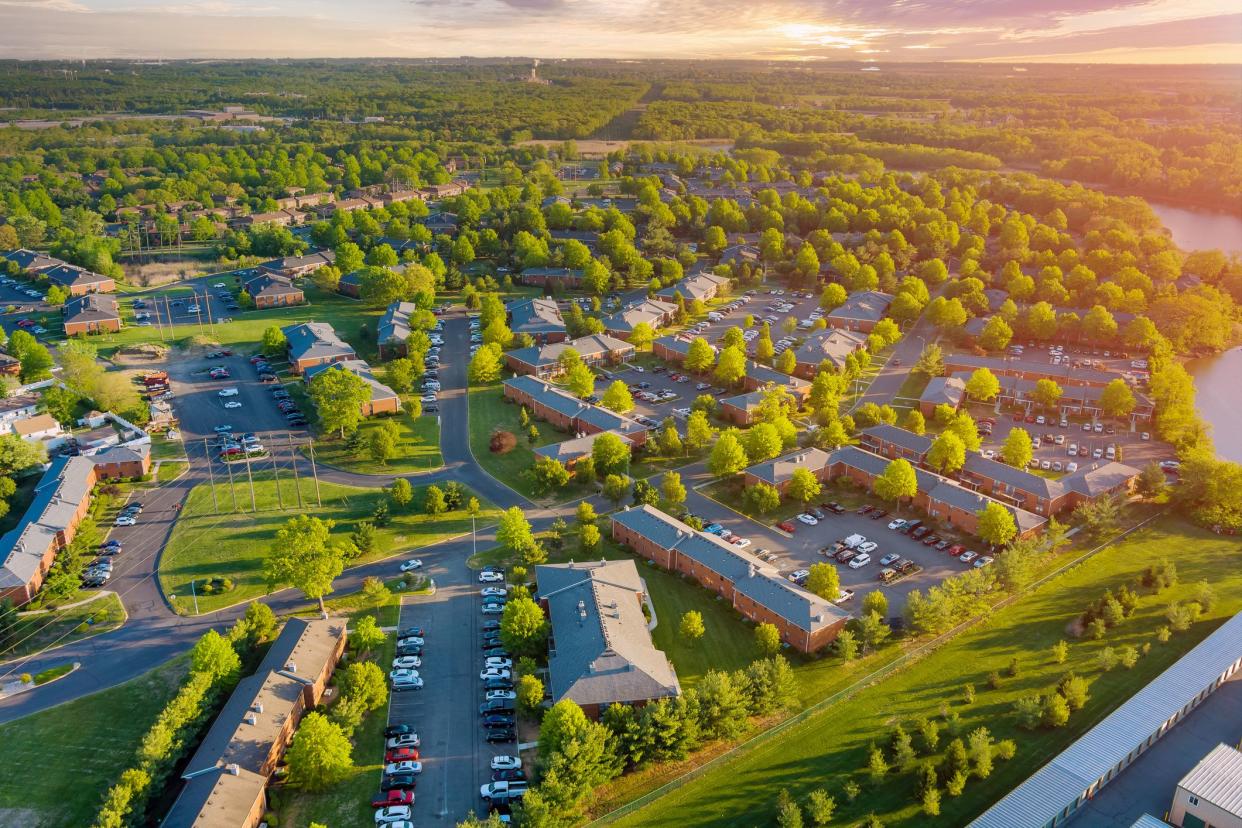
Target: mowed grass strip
(830, 747)
(418, 447)
(232, 545)
(35, 633)
(61, 762)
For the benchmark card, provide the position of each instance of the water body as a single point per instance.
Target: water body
(1218, 386)
(1200, 229)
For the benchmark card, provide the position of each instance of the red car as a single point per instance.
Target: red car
(25, 323)
(786, 526)
(394, 797)
(401, 755)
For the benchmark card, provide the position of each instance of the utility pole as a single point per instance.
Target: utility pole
(254, 507)
(311, 445)
(215, 505)
(280, 498)
(232, 488)
(297, 483)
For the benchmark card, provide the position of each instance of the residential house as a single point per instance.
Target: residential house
(292, 267)
(78, 281)
(131, 460)
(742, 408)
(393, 329)
(832, 346)
(600, 651)
(454, 188)
(568, 413)
(90, 314)
(702, 286)
(226, 778)
(569, 452)
(653, 312)
(440, 223)
(752, 587)
(17, 407)
(315, 343)
(272, 291)
(36, 428)
(540, 318)
(543, 361)
(740, 254)
(351, 284)
(555, 278)
(281, 218)
(760, 377)
(674, 348)
(1076, 400)
(948, 391)
(860, 312)
(1029, 368)
(383, 399)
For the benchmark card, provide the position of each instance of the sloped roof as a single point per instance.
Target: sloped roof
(92, 307)
(698, 286)
(832, 345)
(359, 368)
(867, 305)
(603, 651)
(944, 391)
(58, 494)
(1217, 779)
(69, 276)
(592, 346)
(271, 284)
(782, 468)
(535, 316)
(1097, 478)
(315, 340)
(394, 325)
(651, 311)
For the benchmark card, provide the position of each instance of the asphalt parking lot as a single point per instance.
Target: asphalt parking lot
(1134, 450)
(200, 407)
(175, 305)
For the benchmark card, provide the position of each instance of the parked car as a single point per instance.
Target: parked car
(891, 557)
(400, 740)
(968, 556)
(393, 814)
(786, 525)
(500, 734)
(396, 796)
(897, 524)
(809, 520)
(411, 565)
(505, 762)
(860, 561)
(402, 755)
(408, 766)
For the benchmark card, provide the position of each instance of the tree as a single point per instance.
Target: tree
(983, 385)
(789, 812)
(996, 524)
(400, 375)
(963, 425)
(485, 365)
(914, 421)
(549, 474)
(947, 453)
(672, 489)
(824, 581)
(1055, 711)
(617, 398)
(320, 755)
(1018, 449)
(1116, 399)
(872, 630)
(699, 431)
(691, 626)
(700, 356)
(762, 498)
(214, 655)
(524, 627)
(731, 367)
(642, 336)
(366, 682)
(761, 442)
(768, 639)
(382, 443)
(615, 488)
(589, 538)
(274, 342)
(580, 381)
(896, 482)
(875, 602)
(301, 555)
(610, 454)
(401, 492)
(996, 334)
(513, 531)
(803, 485)
(820, 807)
(433, 501)
(339, 397)
(930, 362)
(877, 765)
(1047, 393)
(728, 457)
(529, 694)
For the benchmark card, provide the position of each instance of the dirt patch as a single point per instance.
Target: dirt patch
(146, 353)
(154, 274)
(502, 442)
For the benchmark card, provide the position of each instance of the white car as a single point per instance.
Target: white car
(393, 814)
(409, 740)
(743, 543)
(809, 520)
(1071, 467)
(491, 577)
(498, 663)
(219, 285)
(407, 766)
(988, 454)
(232, 404)
(494, 672)
(402, 673)
(428, 398)
(228, 392)
(982, 562)
(411, 641)
(411, 565)
(493, 592)
(799, 574)
(506, 762)
(858, 562)
(897, 524)
(124, 521)
(493, 609)
(406, 663)
(869, 546)
(504, 695)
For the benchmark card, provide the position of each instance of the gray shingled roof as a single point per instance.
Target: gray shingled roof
(762, 374)
(1097, 478)
(315, 340)
(394, 325)
(944, 391)
(698, 286)
(536, 316)
(359, 368)
(602, 648)
(58, 494)
(93, 307)
(899, 437)
(1058, 785)
(782, 468)
(594, 346)
(868, 305)
(651, 311)
(1031, 364)
(832, 345)
(270, 284)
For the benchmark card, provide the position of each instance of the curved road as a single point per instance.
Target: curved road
(154, 633)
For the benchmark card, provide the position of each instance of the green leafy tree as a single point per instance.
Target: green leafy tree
(513, 531)
(274, 342)
(727, 456)
(930, 362)
(580, 380)
(320, 754)
(762, 498)
(996, 334)
(672, 490)
(485, 365)
(947, 453)
(617, 398)
(214, 655)
(700, 357)
(768, 639)
(699, 432)
(996, 524)
(611, 455)
(731, 366)
(1018, 449)
(616, 486)
(804, 486)
(529, 694)
(524, 627)
(339, 397)
(897, 481)
(589, 539)
(367, 636)
(401, 492)
(824, 581)
(691, 627)
(366, 682)
(983, 385)
(433, 501)
(1047, 392)
(301, 555)
(1116, 399)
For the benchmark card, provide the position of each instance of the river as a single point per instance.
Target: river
(1201, 230)
(1218, 393)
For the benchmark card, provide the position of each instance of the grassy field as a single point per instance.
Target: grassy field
(489, 412)
(164, 449)
(232, 545)
(170, 470)
(418, 448)
(97, 735)
(35, 633)
(348, 802)
(830, 747)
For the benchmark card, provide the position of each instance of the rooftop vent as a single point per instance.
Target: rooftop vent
(233, 769)
(257, 707)
(250, 719)
(291, 666)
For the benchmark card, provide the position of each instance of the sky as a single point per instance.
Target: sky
(1064, 31)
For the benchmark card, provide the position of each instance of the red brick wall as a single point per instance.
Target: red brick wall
(75, 328)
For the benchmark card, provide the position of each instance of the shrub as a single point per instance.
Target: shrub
(956, 783)
(1005, 749)
(1014, 668)
(1129, 657)
(968, 694)
(994, 680)
(1107, 659)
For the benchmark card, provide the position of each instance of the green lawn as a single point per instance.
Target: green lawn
(164, 449)
(489, 412)
(35, 633)
(170, 470)
(348, 802)
(232, 545)
(830, 747)
(97, 734)
(418, 448)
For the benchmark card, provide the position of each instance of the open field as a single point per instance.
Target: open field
(232, 545)
(418, 447)
(97, 735)
(829, 747)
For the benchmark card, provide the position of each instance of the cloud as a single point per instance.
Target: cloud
(49, 5)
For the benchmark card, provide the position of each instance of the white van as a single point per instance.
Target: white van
(229, 392)
(854, 541)
(714, 317)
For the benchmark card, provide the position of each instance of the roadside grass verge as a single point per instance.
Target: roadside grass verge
(234, 545)
(35, 633)
(98, 734)
(829, 748)
(418, 447)
(170, 470)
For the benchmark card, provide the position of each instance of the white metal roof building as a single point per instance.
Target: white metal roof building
(1054, 793)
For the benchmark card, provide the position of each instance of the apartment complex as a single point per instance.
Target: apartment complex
(544, 361)
(568, 413)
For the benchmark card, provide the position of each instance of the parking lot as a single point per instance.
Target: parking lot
(201, 409)
(1090, 440)
(205, 301)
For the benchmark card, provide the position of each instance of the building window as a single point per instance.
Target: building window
(1194, 800)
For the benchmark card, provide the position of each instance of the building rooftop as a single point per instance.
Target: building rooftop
(536, 316)
(58, 494)
(1217, 779)
(1059, 784)
(394, 325)
(602, 648)
(93, 307)
(587, 347)
(782, 468)
(359, 368)
(271, 284)
(651, 311)
(944, 391)
(699, 286)
(315, 340)
(867, 305)
(832, 345)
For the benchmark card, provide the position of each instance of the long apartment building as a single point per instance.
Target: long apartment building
(544, 361)
(568, 413)
(1003, 482)
(941, 498)
(674, 348)
(751, 586)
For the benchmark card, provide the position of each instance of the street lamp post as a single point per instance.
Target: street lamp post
(194, 594)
